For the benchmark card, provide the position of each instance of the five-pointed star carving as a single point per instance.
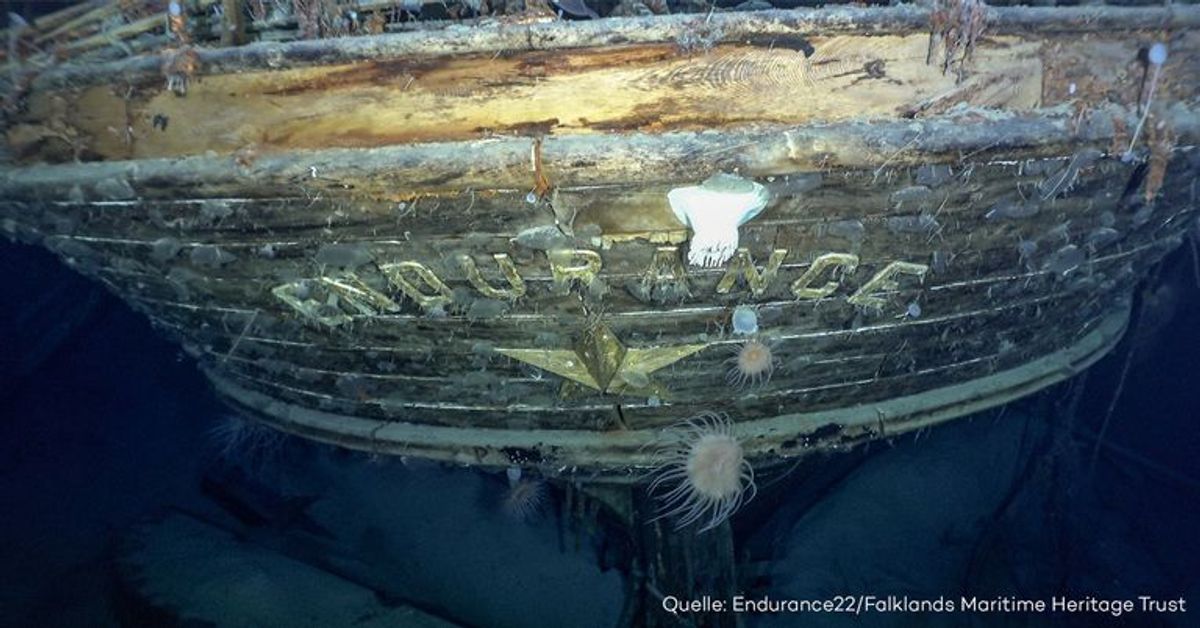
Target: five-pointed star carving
(600, 361)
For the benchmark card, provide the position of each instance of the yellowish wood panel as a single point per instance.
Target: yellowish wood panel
(647, 88)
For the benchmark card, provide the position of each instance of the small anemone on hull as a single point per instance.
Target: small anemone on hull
(704, 476)
(752, 365)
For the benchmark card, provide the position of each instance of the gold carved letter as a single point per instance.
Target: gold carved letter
(802, 287)
(396, 274)
(351, 292)
(565, 269)
(363, 298)
(506, 267)
(742, 264)
(665, 268)
(309, 308)
(885, 281)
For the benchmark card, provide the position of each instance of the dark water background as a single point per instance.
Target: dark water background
(105, 426)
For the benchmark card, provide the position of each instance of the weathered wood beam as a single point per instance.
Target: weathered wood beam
(233, 22)
(57, 18)
(781, 26)
(107, 37)
(94, 12)
(53, 20)
(583, 160)
(647, 88)
(157, 21)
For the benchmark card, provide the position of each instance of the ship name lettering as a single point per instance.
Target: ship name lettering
(346, 295)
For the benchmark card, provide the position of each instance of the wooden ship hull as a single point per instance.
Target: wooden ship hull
(457, 243)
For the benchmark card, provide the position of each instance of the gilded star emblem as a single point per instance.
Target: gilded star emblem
(600, 361)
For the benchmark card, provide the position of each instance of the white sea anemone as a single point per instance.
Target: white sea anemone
(525, 496)
(524, 499)
(704, 476)
(714, 210)
(246, 442)
(752, 365)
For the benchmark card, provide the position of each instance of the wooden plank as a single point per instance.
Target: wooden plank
(770, 28)
(454, 339)
(964, 238)
(593, 160)
(648, 88)
(233, 22)
(618, 454)
(802, 202)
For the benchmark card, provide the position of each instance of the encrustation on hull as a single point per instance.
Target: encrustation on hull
(593, 453)
(460, 244)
